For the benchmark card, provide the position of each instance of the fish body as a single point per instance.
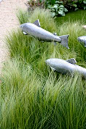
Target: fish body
(35, 30)
(38, 32)
(65, 66)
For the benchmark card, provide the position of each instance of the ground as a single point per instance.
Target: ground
(8, 21)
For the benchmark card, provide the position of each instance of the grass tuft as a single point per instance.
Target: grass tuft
(31, 94)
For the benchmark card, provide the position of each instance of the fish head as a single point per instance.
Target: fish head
(55, 64)
(48, 61)
(22, 26)
(52, 62)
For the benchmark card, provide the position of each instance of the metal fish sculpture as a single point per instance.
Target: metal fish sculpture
(35, 30)
(82, 40)
(66, 66)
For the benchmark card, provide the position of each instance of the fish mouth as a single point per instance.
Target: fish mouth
(47, 61)
(21, 26)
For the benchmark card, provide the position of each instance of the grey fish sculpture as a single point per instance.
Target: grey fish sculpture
(82, 40)
(35, 30)
(66, 66)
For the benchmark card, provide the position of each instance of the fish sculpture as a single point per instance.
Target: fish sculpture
(82, 40)
(35, 30)
(66, 66)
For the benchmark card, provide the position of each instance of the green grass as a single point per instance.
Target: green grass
(28, 101)
(32, 96)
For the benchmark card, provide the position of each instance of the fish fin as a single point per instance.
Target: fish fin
(71, 61)
(52, 68)
(37, 23)
(25, 33)
(55, 34)
(64, 40)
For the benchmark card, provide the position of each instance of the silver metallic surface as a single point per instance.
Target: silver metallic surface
(82, 40)
(62, 66)
(42, 34)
